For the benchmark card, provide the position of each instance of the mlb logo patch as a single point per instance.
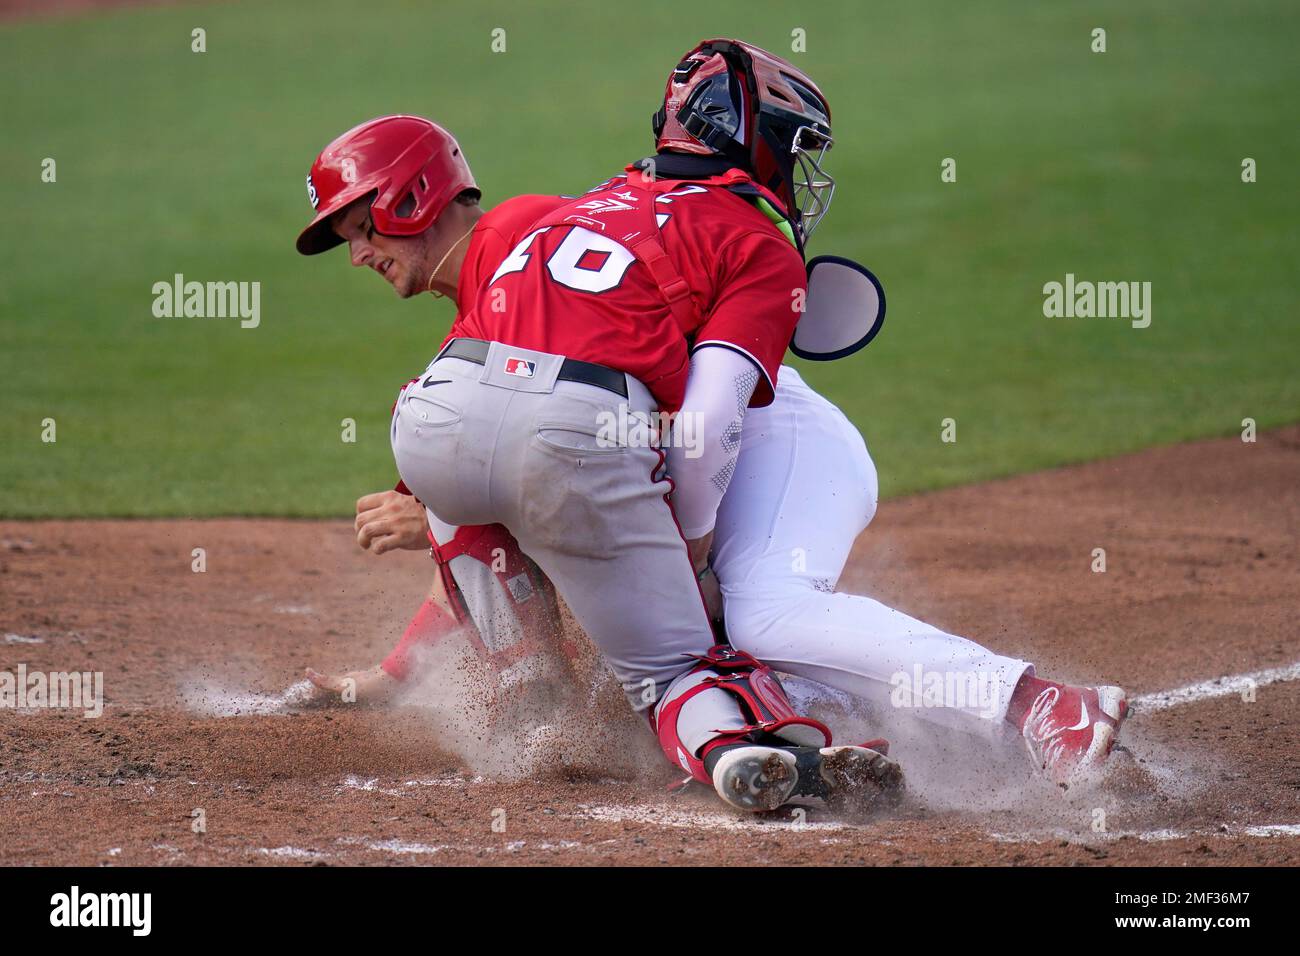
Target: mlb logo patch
(521, 367)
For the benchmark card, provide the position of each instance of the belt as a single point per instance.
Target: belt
(476, 351)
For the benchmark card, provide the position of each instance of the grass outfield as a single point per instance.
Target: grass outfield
(1116, 166)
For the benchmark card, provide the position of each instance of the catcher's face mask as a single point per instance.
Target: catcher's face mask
(814, 188)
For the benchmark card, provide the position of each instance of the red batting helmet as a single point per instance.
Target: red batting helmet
(733, 99)
(413, 167)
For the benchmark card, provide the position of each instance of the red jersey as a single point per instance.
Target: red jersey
(495, 234)
(575, 290)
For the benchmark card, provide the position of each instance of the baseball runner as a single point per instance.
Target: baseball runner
(789, 477)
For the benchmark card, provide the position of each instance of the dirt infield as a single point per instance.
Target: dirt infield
(200, 672)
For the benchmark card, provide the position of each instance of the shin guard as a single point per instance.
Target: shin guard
(762, 702)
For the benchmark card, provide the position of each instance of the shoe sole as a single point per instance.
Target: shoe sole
(844, 779)
(859, 779)
(756, 779)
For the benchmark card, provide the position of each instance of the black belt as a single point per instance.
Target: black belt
(476, 351)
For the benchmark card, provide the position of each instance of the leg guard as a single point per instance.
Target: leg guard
(511, 603)
(431, 623)
(762, 702)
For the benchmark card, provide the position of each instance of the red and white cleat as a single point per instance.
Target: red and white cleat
(1069, 730)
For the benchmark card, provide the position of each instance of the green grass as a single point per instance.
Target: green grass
(1115, 166)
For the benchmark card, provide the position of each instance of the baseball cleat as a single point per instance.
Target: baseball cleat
(758, 778)
(1070, 730)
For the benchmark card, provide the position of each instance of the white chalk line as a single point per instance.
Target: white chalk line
(1216, 687)
(212, 700)
(410, 848)
(290, 853)
(355, 782)
(391, 847)
(1153, 836)
(694, 819)
(401, 847)
(1274, 829)
(23, 639)
(697, 819)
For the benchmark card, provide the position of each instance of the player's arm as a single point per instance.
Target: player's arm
(702, 455)
(738, 350)
(706, 439)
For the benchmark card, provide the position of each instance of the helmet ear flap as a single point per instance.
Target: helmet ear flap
(714, 115)
(406, 215)
(417, 197)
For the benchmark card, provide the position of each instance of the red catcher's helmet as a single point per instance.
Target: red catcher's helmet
(732, 99)
(413, 167)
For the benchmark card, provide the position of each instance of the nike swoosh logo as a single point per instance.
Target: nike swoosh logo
(429, 381)
(1083, 721)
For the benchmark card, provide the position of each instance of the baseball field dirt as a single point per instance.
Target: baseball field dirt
(202, 674)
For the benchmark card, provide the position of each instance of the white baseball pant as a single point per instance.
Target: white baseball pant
(803, 489)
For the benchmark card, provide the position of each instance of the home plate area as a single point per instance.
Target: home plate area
(207, 752)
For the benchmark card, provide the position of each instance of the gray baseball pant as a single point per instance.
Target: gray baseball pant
(478, 444)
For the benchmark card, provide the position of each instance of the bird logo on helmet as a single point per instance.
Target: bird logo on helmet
(732, 99)
(413, 168)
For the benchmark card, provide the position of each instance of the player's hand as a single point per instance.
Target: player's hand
(389, 521)
(371, 687)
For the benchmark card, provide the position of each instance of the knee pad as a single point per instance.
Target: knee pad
(763, 705)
